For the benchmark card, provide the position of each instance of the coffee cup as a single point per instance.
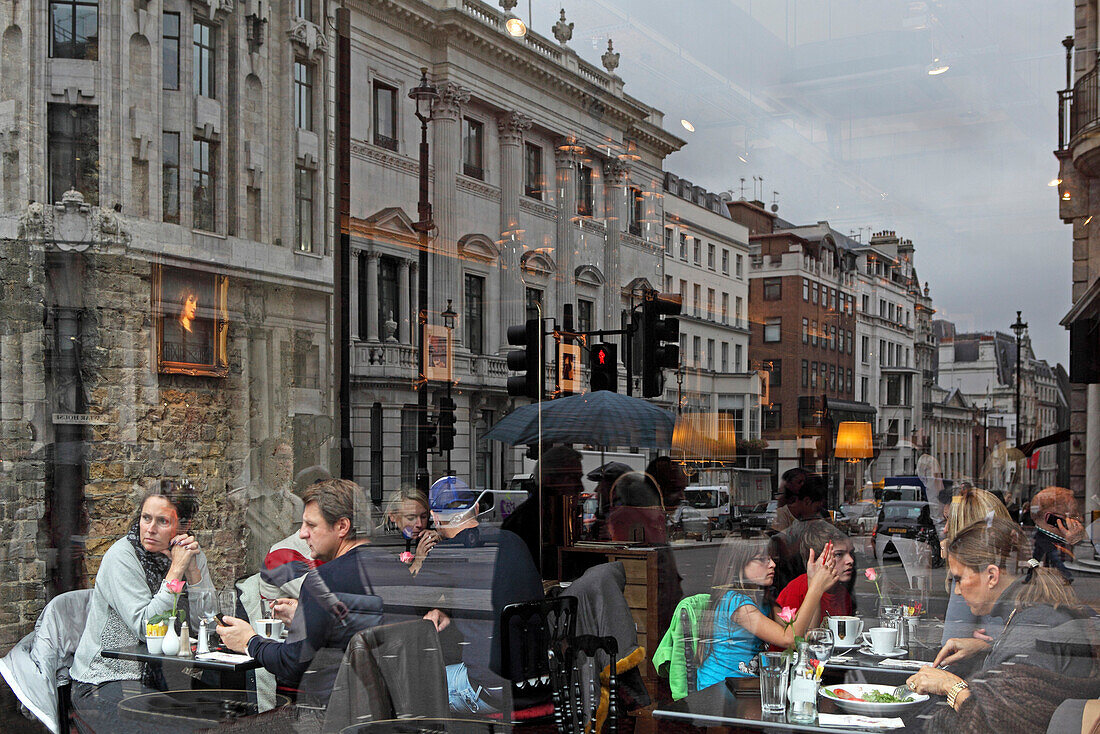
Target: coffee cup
(272, 629)
(883, 640)
(846, 630)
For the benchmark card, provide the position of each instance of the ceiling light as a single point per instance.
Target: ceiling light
(687, 126)
(937, 68)
(515, 27)
(1054, 182)
(1065, 196)
(743, 159)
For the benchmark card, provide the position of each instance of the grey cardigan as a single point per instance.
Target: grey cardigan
(120, 606)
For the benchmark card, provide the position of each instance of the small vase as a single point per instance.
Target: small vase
(171, 644)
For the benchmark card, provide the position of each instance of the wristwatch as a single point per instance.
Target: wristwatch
(954, 692)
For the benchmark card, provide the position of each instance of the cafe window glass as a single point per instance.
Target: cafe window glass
(73, 152)
(75, 29)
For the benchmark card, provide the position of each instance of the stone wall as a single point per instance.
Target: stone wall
(22, 449)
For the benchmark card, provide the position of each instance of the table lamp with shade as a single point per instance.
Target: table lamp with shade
(853, 441)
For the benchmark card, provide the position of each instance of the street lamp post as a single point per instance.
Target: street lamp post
(1018, 329)
(449, 317)
(424, 93)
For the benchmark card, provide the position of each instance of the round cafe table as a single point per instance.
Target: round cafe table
(192, 709)
(429, 726)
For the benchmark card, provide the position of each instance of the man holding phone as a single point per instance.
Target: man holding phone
(1058, 528)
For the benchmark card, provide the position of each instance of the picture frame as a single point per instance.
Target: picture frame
(191, 316)
(438, 353)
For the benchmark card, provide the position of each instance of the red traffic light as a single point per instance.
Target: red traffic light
(601, 356)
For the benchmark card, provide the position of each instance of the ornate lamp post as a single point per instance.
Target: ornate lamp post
(424, 95)
(1018, 329)
(449, 316)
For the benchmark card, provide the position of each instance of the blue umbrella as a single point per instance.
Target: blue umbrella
(600, 418)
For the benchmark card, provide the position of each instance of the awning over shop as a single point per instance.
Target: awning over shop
(1027, 449)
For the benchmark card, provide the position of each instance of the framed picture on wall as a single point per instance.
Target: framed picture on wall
(191, 313)
(569, 368)
(438, 354)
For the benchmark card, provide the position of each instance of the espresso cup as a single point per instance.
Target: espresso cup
(883, 640)
(272, 629)
(846, 630)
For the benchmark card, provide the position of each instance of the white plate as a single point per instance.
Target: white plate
(897, 653)
(866, 707)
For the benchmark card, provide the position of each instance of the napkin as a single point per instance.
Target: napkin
(913, 664)
(224, 657)
(864, 721)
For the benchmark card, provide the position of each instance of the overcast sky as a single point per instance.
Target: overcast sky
(830, 101)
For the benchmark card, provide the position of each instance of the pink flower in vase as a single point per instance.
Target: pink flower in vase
(871, 574)
(175, 586)
(788, 614)
(406, 557)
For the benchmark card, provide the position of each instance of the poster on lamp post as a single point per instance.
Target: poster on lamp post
(569, 369)
(438, 353)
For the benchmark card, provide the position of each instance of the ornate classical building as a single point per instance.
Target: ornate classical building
(545, 184)
(167, 290)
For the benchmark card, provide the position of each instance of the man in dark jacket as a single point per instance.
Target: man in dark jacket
(472, 574)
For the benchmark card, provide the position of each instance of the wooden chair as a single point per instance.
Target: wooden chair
(528, 630)
(576, 692)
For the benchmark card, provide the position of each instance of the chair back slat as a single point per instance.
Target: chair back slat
(574, 711)
(528, 630)
(689, 649)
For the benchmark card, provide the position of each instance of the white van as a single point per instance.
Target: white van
(713, 500)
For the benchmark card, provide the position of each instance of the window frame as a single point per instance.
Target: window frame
(204, 59)
(473, 148)
(380, 139)
(303, 95)
(773, 327)
(303, 209)
(167, 42)
(90, 49)
(473, 331)
(198, 174)
(66, 144)
(533, 177)
(772, 289)
(168, 171)
(586, 204)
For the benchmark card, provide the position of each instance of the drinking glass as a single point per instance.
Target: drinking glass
(204, 605)
(227, 602)
(773, 682)
(821, 643)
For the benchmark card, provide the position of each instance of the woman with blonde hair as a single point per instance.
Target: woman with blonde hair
(970, 505)
(407, 512)
(982, 559)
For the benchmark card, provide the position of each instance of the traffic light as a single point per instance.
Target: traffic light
(446, 424)
(427, 433)
(604, 360)
(660, 337)
(528, 360)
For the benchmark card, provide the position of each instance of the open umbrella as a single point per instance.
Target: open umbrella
(600, 418)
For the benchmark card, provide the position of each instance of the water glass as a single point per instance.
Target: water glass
(820, 642)
(773, 682)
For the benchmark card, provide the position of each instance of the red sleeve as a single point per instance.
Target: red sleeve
(794, 593)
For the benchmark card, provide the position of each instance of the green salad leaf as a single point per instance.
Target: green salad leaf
(879, 697)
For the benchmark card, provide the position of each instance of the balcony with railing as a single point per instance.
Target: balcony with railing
(1079, 117)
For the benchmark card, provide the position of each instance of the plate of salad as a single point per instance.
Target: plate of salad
(871, 699)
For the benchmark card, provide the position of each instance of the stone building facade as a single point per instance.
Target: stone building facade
(161, 147)
(545, 184)
(706, 262)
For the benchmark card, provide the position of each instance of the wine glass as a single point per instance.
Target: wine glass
(821, 643)
(204, 606)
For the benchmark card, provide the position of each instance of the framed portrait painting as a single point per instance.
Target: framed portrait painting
(191, 312)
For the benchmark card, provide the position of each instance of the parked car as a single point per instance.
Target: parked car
(909, 520)
(761, 516)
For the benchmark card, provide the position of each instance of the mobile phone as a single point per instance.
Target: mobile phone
(221, 618)
(1052, 519)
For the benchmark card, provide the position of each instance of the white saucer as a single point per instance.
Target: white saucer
(897, 653)
(845, 646)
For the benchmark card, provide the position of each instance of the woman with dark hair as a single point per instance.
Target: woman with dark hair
(131, 587)
(982, 560)
(737, 623)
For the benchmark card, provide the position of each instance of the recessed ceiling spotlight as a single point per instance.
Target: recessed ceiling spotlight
(515, 27)
(687, 126)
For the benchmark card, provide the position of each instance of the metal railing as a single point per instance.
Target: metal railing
(1082, 103)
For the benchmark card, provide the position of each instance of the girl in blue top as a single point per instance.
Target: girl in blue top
(737, 623)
